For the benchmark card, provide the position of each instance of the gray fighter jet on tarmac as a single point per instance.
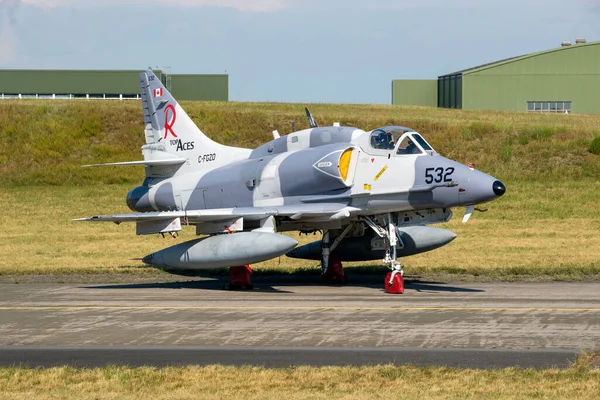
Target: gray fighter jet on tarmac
(372, 194)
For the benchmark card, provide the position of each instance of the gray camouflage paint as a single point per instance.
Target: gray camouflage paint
(318, 137)
(233, 185)
(298, 171)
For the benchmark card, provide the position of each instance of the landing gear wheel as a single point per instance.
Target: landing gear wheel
(394, 282)
(335, 273)
(240, 278)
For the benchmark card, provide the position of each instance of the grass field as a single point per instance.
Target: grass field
(545, 227)
(217, 382)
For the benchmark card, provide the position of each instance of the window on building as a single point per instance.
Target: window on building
(549, 106)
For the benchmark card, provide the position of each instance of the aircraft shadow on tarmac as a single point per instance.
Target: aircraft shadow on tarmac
(277, 284)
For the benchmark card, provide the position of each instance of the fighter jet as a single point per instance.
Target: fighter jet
(372, 194)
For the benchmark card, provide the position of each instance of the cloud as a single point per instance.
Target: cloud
(241, 5)
(316, 5)
(8, 8)
(384, 4)
(48, 3)
(400, 5)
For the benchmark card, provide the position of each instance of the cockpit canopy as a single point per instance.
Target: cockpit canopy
(402, 140)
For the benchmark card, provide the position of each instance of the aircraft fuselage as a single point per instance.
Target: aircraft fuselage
(324, 165)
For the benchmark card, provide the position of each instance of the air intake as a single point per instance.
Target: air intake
(565, 44)
(580, 41)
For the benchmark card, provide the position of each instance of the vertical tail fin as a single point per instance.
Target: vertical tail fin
(170, 133)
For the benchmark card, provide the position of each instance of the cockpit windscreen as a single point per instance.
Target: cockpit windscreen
(422, 142)
(404, 140)
(386, 138)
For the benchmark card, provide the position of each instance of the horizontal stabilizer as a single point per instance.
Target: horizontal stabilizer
(172, 161)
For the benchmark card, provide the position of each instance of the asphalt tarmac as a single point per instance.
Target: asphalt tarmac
(285, 322)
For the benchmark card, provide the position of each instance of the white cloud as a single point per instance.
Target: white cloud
(241, 5)
(316, 5)
(396, 5)
(47, 3)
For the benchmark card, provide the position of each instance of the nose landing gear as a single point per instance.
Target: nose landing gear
(394, 280)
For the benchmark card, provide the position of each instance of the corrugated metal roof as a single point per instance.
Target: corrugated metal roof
(517, 58)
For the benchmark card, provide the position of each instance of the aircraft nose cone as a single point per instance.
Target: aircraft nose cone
(499, 188)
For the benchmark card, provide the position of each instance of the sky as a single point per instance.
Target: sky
(307, 51)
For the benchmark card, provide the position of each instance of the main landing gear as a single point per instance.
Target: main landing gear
(331, 267)
(240, 278)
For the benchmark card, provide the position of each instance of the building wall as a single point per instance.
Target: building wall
(200, 87)
(512, 93)
(565, 74)
(415, 92)
(449, 91)
(69, 82)
(81, 82)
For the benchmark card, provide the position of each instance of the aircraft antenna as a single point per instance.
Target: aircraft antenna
(311, 120)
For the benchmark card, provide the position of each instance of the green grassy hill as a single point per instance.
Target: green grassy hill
(45, 142)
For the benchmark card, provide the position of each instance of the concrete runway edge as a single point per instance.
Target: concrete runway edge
(280, 357)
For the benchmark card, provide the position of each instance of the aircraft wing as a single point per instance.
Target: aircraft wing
(310, 211)
(170, 161)
(191, 216)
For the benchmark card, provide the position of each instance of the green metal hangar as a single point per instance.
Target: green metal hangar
(564, 79)
(106, 84)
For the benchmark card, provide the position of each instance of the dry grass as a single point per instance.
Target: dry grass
(218, 382)
(590, 360)
(536, 230)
